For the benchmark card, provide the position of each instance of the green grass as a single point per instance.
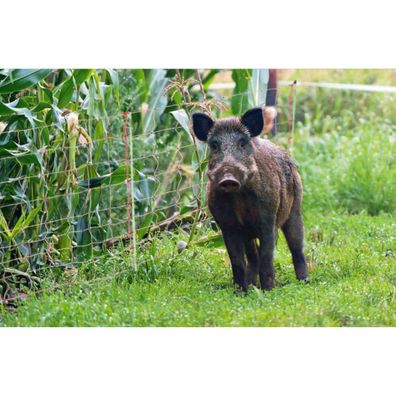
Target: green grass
(350, 171)
(353, 283)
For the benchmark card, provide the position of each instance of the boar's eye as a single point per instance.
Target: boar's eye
(242, 142)
(214, 145)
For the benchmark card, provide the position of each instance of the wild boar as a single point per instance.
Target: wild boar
(253, 189)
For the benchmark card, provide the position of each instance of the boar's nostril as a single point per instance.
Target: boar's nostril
(229, 184)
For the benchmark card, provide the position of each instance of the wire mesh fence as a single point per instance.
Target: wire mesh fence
(97, 183)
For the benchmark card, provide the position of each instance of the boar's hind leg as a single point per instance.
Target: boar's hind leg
(236, 251)
(294, 233)
(266, 269)
(253, 261)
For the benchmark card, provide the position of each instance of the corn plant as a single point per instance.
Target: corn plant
(53, 128)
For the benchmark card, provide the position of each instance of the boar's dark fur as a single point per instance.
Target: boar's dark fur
(253, 189)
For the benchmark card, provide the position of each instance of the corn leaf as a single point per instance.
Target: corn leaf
(19, 79)
(240, 98)
(23, 222)
(4, 225)
(258, 87)
(157, 100)
(182, 118)
(66, 92)
(116, 84)
(213, 240)
(81, 75)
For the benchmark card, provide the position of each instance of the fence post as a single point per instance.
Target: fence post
(132, 197)
(129, 174)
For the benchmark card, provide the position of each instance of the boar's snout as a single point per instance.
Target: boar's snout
(229, 184)
(229, 175)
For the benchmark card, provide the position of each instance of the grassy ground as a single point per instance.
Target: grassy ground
(353, 283)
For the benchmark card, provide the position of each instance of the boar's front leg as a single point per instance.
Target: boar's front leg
(266, 252)
(253, 261)
(236, 250)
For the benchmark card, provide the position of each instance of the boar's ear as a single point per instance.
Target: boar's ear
(201, 124)
(253, 120)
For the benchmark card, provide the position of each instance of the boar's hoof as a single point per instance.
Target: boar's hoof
(302, 273)
(240, 289)
(267, 284)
